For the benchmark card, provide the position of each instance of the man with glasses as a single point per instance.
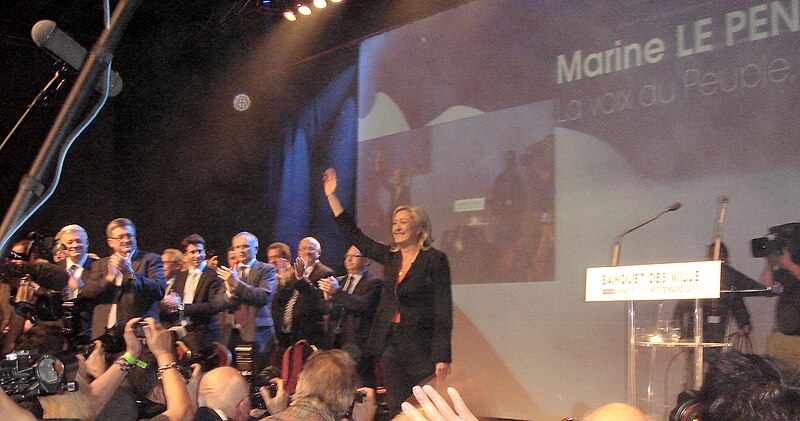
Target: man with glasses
(298, 310)
(351, 301)
(127, 284)
(248, 291)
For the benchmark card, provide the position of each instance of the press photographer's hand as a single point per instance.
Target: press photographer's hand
(159, 340)
(281, 399)
(366, 409)
(132, 344)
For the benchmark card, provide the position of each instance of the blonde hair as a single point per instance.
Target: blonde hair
(421, 218)
(329, 378)
(175, 255)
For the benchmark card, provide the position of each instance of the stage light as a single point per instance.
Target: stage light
(320, 4)
(241, 102)
(336, 1)
(290, 16)
(303, 9)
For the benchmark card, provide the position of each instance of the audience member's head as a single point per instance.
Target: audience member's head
(194, 251)
(245, 245)
(74, 241)
(173, 262)
(354, 262)
(232, 258)
(46, 339)
(121, 236)
(224, 389)
(310, 250)
(750, 388)
(329, 378)
(277, 251)
(144, 382)
(20, 248)
(616, 412)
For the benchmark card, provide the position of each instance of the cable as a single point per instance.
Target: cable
(666, 378)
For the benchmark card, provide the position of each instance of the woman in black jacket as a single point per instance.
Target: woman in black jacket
(414, 321)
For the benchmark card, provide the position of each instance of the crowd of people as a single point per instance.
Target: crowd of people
(134, 319)
(392, 331)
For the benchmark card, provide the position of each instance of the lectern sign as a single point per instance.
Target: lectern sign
(666, 281)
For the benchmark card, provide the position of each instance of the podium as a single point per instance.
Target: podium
(657, 282)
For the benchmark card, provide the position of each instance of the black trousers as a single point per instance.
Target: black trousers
(401, 373)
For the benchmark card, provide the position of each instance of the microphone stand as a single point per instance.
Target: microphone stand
(59, 77)
(697, 378)
(31, 187)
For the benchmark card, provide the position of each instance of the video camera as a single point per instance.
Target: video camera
(243, 357)
(779, 238)
(48, 306)
(25, 374)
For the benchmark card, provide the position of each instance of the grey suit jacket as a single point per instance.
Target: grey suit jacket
(256, 292)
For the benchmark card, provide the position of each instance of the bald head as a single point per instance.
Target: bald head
(225, 389)
(616, 412)
(309, 249)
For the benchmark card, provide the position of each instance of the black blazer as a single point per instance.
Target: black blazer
(308, 311)
(204, 305)
(353, 313)
(84, 305)
(87, 265)
(424, 300)
(137, 296)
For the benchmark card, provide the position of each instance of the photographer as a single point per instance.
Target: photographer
(326, 391)
(38, 279)
(84, 403)
(180, 405)
(782, 273)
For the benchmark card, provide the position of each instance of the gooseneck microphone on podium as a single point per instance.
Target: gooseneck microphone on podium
(618, 243)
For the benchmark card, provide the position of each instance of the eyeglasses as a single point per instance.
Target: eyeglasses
(347, 256)
(123, 237)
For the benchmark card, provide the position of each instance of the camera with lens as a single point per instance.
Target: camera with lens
(243, 357)
(26, 374)
(209, 357)
(358, 398)
(48, 306)
(779, 238)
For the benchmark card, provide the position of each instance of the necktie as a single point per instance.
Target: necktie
(288, 314)
(347, 284)
(69, 291)
(112, 314)
(240, 316)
